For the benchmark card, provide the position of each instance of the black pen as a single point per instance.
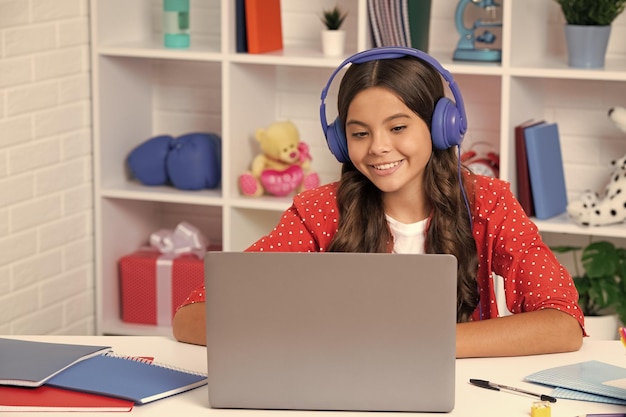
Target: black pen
(497, 387)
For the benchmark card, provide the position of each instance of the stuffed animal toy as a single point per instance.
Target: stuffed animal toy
(282, 167)
(190, 162)
(593, 210)
(618, 116)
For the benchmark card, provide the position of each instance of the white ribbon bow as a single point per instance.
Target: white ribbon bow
(185, 239)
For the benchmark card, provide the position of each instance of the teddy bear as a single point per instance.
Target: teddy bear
(595, 210)
(283, 166)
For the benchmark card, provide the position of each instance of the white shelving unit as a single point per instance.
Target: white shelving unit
(141, 89)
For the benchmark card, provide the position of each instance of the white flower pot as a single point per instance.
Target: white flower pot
(602, 327)
(333, 42)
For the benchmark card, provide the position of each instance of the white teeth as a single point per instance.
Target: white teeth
(387, 166)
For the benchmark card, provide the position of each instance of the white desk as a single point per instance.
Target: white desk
(471, 401)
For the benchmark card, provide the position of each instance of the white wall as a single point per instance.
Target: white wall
(46, 237)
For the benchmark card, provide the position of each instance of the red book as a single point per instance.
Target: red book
(263, 26)
(524, 191)
(47, 398)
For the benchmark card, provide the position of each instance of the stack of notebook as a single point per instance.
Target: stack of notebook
(39, 376)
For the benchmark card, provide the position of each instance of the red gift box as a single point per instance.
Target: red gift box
(142, 302)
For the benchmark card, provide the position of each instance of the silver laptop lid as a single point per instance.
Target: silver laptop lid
(331, 331)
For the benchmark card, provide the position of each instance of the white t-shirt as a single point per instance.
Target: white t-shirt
(407, 238)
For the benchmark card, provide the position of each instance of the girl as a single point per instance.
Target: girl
(403, 190)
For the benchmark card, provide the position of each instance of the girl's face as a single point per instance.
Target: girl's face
(387, 141)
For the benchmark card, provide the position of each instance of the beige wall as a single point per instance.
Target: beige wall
(46, 233)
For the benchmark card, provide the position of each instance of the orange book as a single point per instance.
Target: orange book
(263, 26)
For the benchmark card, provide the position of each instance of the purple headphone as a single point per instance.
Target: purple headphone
(449, 122)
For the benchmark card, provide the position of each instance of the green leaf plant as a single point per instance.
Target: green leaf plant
(591, 12)
(333, 18)
(602, 286)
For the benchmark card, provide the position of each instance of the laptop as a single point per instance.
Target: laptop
(331, 331)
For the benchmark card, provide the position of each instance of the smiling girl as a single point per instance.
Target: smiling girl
(402, 191)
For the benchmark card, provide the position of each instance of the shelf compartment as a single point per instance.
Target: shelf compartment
(129, 226)
(142, 98)
(280, 93)
(543, 48)
(138, 24)
(589, 140)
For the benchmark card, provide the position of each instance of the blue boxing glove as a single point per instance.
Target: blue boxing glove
(147, 160)
(195, 161)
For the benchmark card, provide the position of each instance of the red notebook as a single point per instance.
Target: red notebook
(524, 191)
(263, 26)
(47, 398)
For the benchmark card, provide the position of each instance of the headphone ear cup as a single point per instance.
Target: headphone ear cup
(446, 125)
(337, 143)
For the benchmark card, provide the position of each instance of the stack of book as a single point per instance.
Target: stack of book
(541, 186)
(40, 376)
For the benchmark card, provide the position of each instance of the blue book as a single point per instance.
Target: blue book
(241, 36)
(545, 168)
(129, 378)
(29, 363)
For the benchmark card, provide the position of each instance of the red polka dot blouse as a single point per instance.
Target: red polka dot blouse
(508, 242)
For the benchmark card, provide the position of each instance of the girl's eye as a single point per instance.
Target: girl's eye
(398, 128)
(358, 134)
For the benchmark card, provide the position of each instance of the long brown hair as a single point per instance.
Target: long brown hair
(362, 223)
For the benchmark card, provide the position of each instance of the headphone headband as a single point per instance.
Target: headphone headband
(455, 119)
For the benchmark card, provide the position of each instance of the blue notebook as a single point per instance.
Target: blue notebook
(545, 168)
(29, 363)
(590, 381)
(128, 378)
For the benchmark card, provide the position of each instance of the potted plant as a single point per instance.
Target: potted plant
(333, 38)
(588, 29)
(602, 286)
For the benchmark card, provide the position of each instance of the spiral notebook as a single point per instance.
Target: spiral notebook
(129, 378)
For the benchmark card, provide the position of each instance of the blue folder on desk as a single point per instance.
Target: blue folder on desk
(588, 381)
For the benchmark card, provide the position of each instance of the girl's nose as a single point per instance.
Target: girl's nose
(381, 144)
